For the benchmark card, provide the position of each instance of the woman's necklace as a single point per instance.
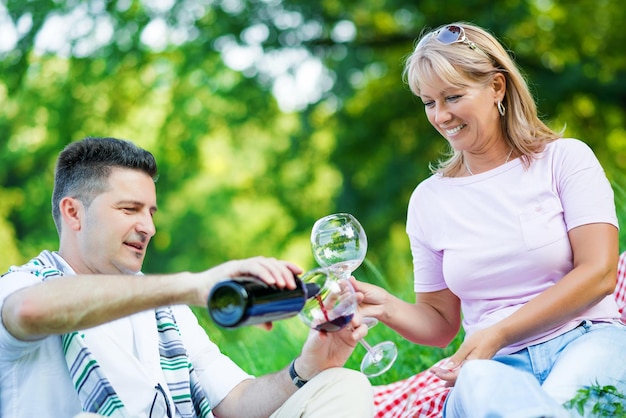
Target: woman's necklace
(470, 171)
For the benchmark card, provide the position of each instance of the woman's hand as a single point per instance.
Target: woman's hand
(483, 344)
(371, 298)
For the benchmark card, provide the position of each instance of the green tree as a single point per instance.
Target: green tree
(266, 114)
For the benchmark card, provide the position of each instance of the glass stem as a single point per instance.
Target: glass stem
(373, 353)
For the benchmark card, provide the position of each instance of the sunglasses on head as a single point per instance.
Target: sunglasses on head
(452, 34)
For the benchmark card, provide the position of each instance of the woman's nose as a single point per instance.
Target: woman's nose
(441, 115)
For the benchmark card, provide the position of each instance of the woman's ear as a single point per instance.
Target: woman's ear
(499, 86)
(72, 211)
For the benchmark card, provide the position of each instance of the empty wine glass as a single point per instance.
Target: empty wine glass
(339, 243)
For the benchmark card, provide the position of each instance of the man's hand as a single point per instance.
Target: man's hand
(268, 270)
(323, 350)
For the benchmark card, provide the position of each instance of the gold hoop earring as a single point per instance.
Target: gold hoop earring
(501, 108)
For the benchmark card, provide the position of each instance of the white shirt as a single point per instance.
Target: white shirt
(35, 382)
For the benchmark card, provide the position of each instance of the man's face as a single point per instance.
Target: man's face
(118, 225)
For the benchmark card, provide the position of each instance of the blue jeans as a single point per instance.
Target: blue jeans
(538, 380)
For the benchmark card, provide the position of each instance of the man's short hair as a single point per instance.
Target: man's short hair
(83, 169)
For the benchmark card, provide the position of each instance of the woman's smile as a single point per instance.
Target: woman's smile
(454, 131)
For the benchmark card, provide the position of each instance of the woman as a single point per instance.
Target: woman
(514, 236)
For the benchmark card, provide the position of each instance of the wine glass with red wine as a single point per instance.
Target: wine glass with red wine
(339, 244)
(334, 305)
(332, 309)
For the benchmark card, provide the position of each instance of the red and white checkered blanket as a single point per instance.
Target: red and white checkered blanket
(423, 394)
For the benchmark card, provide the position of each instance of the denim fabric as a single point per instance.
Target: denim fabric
(536, 381)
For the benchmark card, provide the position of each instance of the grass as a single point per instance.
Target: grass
(259, 352)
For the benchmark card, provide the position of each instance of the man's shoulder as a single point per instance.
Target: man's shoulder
(44, 266)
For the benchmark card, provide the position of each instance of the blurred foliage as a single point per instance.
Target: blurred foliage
(598, 401)
(265, 115)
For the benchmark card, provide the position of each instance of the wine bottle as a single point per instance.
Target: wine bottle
(246, 301)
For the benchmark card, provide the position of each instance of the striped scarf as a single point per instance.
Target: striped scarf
(93, 388)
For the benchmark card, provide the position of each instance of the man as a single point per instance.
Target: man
(83, 330)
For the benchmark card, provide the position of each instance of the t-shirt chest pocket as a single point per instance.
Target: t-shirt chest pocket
(542, 223)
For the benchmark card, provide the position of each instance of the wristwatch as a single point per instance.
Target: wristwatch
(297, 380)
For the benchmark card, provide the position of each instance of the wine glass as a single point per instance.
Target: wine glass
(334, 304)
(332, 308)
(339, 243)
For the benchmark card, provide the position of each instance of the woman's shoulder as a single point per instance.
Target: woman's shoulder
(567, 144)
(569, 155)
(429, 183)
(570, 149)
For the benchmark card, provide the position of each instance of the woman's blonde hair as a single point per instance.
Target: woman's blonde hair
(476, 62)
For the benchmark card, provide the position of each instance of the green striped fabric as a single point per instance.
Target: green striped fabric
(181, 378)
(94, 390)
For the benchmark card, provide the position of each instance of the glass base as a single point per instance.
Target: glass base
(379, 359)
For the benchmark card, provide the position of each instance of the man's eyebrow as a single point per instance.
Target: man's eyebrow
(153, 209)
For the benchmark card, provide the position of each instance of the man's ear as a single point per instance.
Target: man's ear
(72, 211)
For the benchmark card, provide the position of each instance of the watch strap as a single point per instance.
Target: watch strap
(297, 380)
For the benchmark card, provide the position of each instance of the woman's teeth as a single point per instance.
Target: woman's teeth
(455, 130)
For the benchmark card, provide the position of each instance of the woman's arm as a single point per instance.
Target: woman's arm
(595, 253)
(434, 319)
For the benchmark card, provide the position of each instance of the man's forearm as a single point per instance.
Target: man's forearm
(257, 398)
(78, 302)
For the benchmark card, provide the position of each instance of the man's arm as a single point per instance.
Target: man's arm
(71, 303)
(262, 396)
(78, 302)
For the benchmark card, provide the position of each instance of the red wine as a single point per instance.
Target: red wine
(336, 324)
(322, 307)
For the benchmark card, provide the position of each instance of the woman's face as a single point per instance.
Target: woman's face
(467, 116)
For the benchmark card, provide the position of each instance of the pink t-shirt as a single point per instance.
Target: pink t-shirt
(499, 238)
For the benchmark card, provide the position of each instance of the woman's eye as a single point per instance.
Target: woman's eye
(429, 104)
(453, 98)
